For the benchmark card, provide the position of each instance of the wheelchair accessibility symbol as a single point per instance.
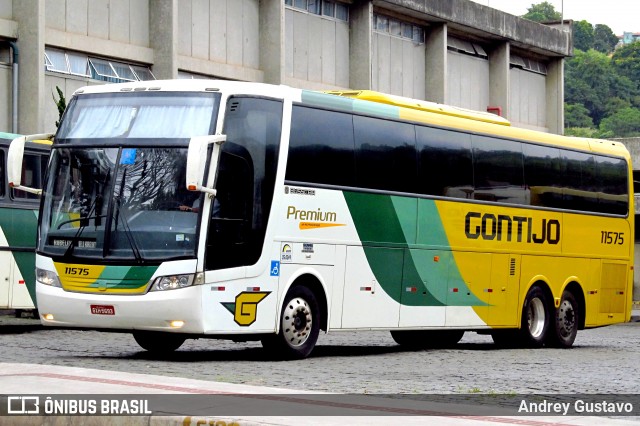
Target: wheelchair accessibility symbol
(275, 268)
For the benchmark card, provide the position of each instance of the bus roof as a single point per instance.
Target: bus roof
(370, 95)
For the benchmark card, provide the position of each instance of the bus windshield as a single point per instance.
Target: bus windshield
(157, 115)
(124, 203)
(116, 186)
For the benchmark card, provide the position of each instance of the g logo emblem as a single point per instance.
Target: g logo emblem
(245, 308)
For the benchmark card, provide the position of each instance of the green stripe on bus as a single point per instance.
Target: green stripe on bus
(19, 227)
(395, 233)
(125, 277)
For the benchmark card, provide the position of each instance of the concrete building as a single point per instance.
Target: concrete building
(450, 51)
(628, 38)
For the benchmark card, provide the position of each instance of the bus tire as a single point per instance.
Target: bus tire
(536, 318)
(158, 342)
(299, 326)
(427, 338)
(567, 318)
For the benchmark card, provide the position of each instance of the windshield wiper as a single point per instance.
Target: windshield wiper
(69, 249)
(125, 224)
(127, 232)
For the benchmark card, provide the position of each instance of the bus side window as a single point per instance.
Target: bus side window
(613, 187)
(246, 180)
(228, 237)
(498, 170)
(543, 175)
(3, 172)
(31, 176)
(385, 154)
(314, 146)
(445, 166)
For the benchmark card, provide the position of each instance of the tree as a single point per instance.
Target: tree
(604, 40)
(623, 124)
(542, 12)
(583, 35)
(626, 61)
(576, 115)
(582, 132)
(61, 104)
(616, 104)
(591, 80)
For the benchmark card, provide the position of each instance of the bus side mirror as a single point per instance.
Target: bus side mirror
(15, 158)
(197, 161)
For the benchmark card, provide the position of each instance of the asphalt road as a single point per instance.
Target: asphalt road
(604, 360)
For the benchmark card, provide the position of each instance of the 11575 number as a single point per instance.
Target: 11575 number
(608, 237)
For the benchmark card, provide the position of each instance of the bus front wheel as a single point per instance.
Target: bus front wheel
(565, 329)
(536, 318)
(299, 326)
(158, 342)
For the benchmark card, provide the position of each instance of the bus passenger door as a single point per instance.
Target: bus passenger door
(5, 278)
(424, 288)
(613, 293)
(468, 289)
(504, 290)
(372, 287)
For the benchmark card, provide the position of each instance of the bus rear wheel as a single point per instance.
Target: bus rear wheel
(563, 334)
(427, 338)
(299, 326)
(536, 318)
(158, 342)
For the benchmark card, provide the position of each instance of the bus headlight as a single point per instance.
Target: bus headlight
(172, 282)
(47, 278)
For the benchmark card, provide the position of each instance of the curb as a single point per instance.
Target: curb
(154, 420)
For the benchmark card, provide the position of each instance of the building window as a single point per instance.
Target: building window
(75, 63)
(314, 6)
(56, 61)
(78, 64)
(396, 28)
(326, 8)
(528, 64)
(5, 53)
(466, 47)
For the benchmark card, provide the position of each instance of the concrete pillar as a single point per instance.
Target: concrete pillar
(499, 81)
(436, 64)
(555, 96)
(30, 16)
(272, 43)
(163, 37)
(360, 45)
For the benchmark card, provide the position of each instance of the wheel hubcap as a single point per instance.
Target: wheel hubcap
(536, 318)
(566, 318)
(296, 322)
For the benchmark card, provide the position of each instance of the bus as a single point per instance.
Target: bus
(178, 210)
(18, 222)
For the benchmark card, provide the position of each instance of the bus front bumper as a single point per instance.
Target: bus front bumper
(172, 310)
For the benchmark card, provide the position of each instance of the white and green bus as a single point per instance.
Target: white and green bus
(244, 211)
(18, 224)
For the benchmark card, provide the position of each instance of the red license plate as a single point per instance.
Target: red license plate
(103, 310)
